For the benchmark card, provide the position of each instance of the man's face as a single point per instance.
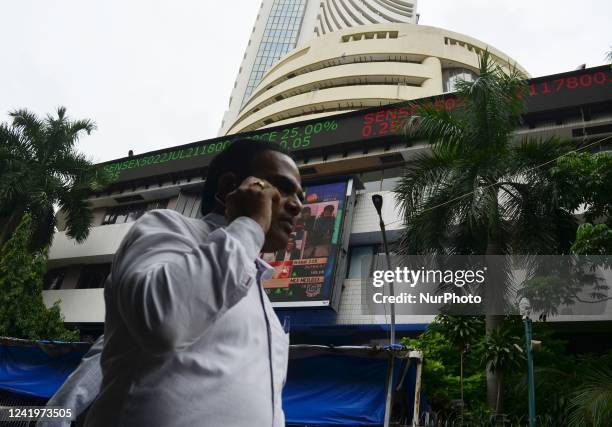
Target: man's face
(280, 171)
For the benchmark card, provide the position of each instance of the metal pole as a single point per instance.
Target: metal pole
(530, 375)
(417, 390)
(389, 391)
(377, 200)
(391, 287)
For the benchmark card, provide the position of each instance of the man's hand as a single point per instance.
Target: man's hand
(254, 198)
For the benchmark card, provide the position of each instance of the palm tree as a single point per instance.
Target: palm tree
(501, 353)
(591, 403)
(39, 169)
(479, 191)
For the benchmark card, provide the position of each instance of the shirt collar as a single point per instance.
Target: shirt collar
(264, 268)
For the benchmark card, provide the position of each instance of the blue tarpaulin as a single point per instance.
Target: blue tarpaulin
(335, 390)
(326, 386)
(37, 369)
(344, 389)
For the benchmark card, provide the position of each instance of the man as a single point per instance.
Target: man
(290, 253)
(324, 224)
(304, 223)
(190, 335)
(318, 242)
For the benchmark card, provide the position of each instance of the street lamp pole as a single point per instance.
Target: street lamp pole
(530, 375)
(378, 202)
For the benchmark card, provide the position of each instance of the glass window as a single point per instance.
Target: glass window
(371, 180)
(391, 178)
(283, 22)
(389, 184)
(372, 256)
(358, 255)
(451, 76)
(381, 180)
(130, 213)
(121, 217)
(53, 279)
(188, 204)
(93, 276)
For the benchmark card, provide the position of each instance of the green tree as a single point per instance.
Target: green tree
(442, 368)
(593, 240)
(591, 403)
(501, 350)
(583, 179)
(479, 191)
(22, 311)
(40, 168)
(461, 332)
(584, 182)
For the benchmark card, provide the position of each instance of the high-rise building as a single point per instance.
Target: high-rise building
(282, 25)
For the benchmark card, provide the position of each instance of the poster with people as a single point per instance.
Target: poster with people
(304, 270)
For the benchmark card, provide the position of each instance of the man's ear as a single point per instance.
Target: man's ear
(227, 183)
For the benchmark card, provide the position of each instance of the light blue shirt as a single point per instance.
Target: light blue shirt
(190, 336)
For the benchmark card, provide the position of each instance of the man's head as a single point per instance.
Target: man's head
(306, 213)
(262, 159)
(328, 210)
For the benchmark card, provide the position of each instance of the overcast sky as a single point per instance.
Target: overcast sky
(154, 74)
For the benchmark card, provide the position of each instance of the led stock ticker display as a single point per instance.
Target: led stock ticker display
(198, 155)
(548, 93)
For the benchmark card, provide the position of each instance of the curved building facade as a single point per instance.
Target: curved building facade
(362, 67)
(336, 15)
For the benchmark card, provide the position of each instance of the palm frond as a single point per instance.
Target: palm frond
(592, 402)
(33, 131)
(438, 126)
(78, 126)
(423, 175)
(13, 144)
(43, 226)
(78, 213)
(493, 105)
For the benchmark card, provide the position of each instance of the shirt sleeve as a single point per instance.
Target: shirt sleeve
(80, 388)
(169, 287)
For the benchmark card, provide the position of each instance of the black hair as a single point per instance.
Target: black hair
(237, 158)
(329, 208)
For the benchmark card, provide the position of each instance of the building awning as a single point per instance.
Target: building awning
(346, 386)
